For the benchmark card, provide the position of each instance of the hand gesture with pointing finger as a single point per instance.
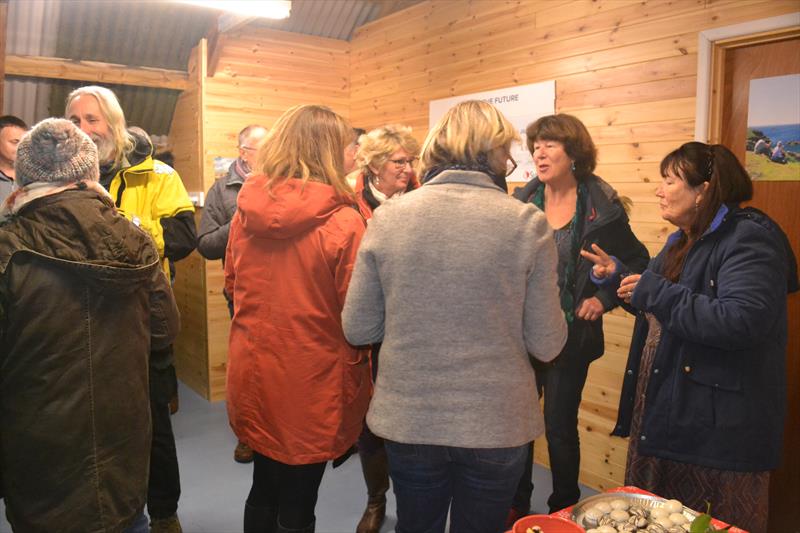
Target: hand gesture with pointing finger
(604, 266)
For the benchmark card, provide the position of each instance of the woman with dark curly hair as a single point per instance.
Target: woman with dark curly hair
(584, 211)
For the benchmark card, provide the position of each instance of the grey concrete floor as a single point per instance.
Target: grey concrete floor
(214, 487)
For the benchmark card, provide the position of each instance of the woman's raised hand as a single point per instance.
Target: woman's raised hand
(604, 266)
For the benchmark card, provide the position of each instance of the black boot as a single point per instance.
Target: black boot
(376, 475)
(308, 529)
(260, 519)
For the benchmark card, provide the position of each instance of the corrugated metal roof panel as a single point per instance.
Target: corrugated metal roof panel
(151, 34)
(158, 34)
(31, 30)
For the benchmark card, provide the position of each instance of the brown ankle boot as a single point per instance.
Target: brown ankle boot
(376, 474)
(243, 453)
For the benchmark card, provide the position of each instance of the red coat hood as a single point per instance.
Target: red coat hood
(288, 209)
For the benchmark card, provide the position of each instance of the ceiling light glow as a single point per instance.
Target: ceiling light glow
(271, 9)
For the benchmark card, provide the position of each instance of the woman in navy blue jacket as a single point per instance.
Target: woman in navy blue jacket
(704, 391)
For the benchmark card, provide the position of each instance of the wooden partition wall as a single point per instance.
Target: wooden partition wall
(627, 68)
(258, 74)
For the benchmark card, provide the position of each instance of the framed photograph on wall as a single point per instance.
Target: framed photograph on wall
(773, 129)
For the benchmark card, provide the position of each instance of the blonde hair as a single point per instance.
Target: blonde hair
(377, 146)
(307, 142)
(112, 112)
(467, 130)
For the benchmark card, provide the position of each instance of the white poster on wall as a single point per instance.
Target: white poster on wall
(521, 105)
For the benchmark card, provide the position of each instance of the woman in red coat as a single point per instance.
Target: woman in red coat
(385, 162)
(297, 391)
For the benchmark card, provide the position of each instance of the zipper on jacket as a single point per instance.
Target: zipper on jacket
(122, 185)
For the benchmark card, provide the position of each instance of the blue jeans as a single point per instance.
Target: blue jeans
(475, 484)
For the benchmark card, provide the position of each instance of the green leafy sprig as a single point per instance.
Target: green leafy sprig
(702, 524)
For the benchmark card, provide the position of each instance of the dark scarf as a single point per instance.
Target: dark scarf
(567, 298)
(481, 165)
(107, 173)
(372, 202)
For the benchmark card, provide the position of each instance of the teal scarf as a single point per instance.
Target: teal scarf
(567, 298)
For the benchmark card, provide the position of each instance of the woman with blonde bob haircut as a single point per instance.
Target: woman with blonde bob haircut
(472, 135)
(385, 166)
(459, 297)
(297, 391)
(385, 169)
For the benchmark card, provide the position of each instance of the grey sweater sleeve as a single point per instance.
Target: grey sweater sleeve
(544, 327)
(364, 311)
(214, 225)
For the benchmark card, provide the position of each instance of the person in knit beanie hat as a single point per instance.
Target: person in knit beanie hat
(55, 151)
(75, 426)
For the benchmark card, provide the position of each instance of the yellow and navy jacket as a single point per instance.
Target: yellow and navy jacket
(151, 194)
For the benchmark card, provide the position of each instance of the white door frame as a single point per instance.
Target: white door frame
(706, 40)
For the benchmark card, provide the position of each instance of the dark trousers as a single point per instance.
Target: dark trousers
(561, 383)
(292, 489)
(164, 487)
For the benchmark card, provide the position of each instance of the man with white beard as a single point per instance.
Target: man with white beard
(151, 195)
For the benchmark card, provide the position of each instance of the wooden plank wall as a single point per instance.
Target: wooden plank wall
(260, 73)
(627, 68)
(186, 139)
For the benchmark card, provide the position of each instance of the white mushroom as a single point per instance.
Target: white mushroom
(665, 522)
(678, 519)
(658, 512)
(603, 507)
(619, 504)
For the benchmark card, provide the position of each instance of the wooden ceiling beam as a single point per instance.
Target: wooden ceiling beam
(216, 42)
(217, 35)
(94, 71)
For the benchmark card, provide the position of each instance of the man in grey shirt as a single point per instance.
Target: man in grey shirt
(215, 222)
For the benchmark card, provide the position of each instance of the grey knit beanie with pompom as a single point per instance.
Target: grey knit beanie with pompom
(56, 151)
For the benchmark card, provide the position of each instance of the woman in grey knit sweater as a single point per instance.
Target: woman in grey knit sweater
(455, 386)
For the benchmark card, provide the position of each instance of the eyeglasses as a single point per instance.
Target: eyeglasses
(401, 163)
(248, 148)
(511, 166)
